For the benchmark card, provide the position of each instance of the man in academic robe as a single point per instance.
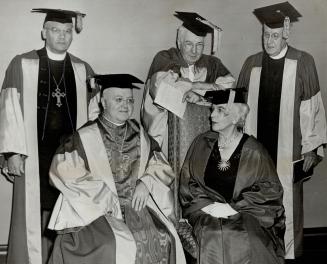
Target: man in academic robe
(116, 204)
(186, 68)
(44, 98)
(287, 113)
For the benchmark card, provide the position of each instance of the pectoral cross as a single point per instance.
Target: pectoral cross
(58, 94)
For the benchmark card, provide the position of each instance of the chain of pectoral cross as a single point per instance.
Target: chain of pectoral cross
(57, 93)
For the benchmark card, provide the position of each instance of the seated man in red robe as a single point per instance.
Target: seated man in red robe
(116, 205)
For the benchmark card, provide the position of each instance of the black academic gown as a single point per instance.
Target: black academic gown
(255, 234)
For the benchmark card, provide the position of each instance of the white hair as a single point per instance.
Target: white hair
(241, 111)
(181, 31)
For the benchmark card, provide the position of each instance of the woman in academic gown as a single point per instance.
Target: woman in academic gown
(230, 192)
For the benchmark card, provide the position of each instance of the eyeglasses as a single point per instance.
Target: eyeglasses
(120, 100)
(274, 36)
(55, 30)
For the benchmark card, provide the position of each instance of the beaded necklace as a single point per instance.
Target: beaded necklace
(224, 164)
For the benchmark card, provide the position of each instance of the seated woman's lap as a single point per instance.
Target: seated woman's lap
(233, 240)
(222, 240)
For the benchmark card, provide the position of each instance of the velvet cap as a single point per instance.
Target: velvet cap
(58, 15)
(117, 81)
(192, 22)
(224, 96)
(274, 15)
(62, 16)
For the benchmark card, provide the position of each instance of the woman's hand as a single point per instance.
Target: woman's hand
(140, 196)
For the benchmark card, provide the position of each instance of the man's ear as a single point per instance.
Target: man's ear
(286, 28)
(103, 103)
(178, 44)
(43, 34)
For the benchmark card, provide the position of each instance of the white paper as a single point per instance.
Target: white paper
(170, 97)
(219, 210)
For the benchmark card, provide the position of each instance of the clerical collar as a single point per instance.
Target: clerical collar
(55, 56)
(111, 122)
(281, 54)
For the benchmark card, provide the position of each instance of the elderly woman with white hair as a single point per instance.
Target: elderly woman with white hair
(230, 192)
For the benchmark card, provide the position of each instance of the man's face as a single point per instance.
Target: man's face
(191, 47)
(58, 36)
(273, 40)
(118, 104)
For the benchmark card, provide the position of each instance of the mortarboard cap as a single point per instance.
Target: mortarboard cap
(192, 22)
(235, 95)
(117, 81)
(62, 16)
(274, 15)
(201, 27)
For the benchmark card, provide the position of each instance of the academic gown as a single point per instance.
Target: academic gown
(88, 214)
(18, 134)
(196, 117)
(174, 134)
(255, 234)
(301, 127)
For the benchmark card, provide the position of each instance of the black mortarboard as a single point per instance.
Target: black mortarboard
(62, 16)
(117, 81)
(225, 96)
(192, 21)
(273, 16)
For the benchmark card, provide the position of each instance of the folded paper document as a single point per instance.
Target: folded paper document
(219, 210)
(170, 96)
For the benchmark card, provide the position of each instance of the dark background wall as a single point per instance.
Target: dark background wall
(124, 35)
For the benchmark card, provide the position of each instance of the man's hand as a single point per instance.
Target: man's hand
(191, 97)
(140, 196)
(16, 165)
(207, 86)
(169, 77)
(310, 159)
(182, 79)
(199, 86)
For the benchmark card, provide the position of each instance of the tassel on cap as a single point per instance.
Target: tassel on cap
(62, 16)
(78, 22)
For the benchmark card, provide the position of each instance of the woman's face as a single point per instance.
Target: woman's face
(222, 118)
